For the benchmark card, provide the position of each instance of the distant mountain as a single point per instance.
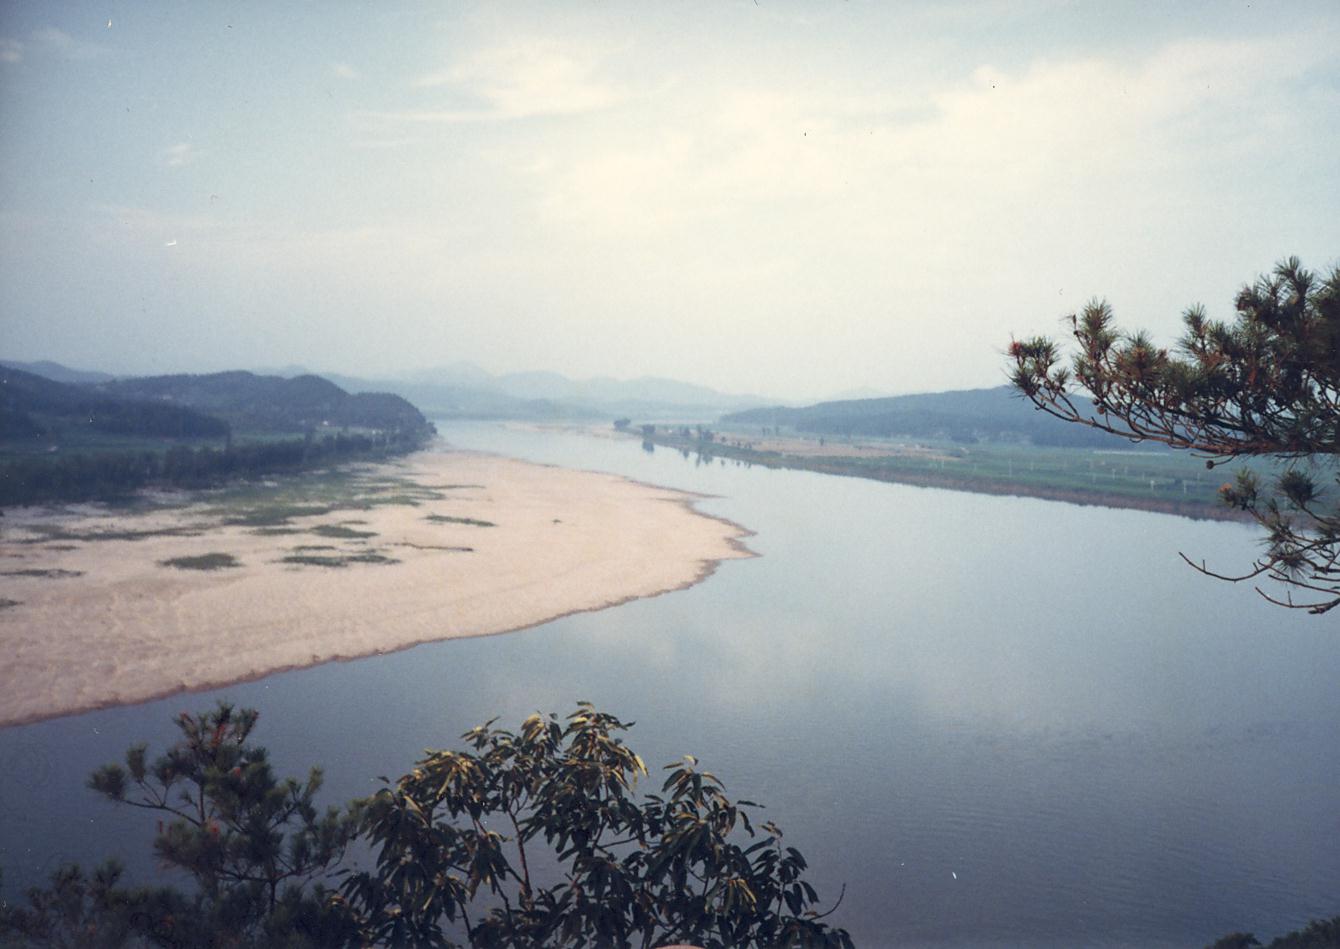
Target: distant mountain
(452, 401)
(541, 394)
(863, 392)
(56, 372)
(964, 415)
(272, 403)
(32, 406)
(458, 374)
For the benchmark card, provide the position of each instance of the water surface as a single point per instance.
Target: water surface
(998, 721)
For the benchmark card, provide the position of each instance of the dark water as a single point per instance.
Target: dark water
(999, 721)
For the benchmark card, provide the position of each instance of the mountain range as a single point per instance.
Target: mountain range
(998, 414)
(209, 405)
(463, 389)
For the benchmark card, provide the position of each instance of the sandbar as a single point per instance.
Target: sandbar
(105, 606)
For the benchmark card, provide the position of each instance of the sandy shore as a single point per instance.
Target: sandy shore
(441, 545)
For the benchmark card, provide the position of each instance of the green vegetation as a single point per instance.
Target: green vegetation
(32, 407)
(81, 442)
(1318, 934)
(1158, 481)
(212, 561)
(1267, 385)
(31, 479)
(535, 838)
(49, 532)
(248, 402)
(340, 531)
(6, 603)
(276, 514)
(961, 417)
(53, 573)
(337, 560)
(448, 519)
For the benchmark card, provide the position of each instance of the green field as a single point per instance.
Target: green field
(1174, 482)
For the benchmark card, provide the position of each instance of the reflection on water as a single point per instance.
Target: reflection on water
(998, 721)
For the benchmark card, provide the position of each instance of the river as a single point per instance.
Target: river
(998, 721)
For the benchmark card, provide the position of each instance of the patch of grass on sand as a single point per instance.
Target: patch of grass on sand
(7, 603)
(275, 515)
(214, 561)
(301, 547)
(50, 532)
(340, 531)
(397, 500)
(337, 560)
(447, 519)
(38, 572)
(454, 550)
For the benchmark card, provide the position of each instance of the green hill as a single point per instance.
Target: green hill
(253, 403)
(34, 407)
(967, 416)
(61, 442)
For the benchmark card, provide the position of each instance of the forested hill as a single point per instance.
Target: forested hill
(966, 415)
(63, 442)
(250, 402)
(32, 406)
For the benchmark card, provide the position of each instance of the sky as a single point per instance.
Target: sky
(789, 199)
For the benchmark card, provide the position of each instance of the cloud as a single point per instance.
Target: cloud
(344, 71)
(517, 80)
(11, 51)
(1051, 131)
(179, 155)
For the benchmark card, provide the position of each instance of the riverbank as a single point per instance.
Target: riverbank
(105, 606)
(1162, 482)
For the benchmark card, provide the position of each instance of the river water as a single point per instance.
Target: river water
(997, 721)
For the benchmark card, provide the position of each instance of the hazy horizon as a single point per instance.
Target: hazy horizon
(789, 200)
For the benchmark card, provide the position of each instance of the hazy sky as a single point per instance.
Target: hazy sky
(786, 198)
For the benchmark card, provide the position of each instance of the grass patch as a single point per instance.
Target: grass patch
(455, 550)
(340, 531)
(202, 562)
(51, 532)
(301, 547)
(7, 603)
(399, 500)
(448, 519)
(337, 560)
(275, 515)
(276, 531)
(36, 572)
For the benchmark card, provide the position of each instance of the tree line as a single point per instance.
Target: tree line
(36, 479)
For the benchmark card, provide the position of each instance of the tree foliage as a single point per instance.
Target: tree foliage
(34, 479)
(1267, 384)
(457, 837)
(1318, 934)
(535, 838)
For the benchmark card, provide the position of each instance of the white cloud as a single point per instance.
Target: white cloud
(11, 51)
(176, 156)
(992, 139)
(344, 71)
(521, 79)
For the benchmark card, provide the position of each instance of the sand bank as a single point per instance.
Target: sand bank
(438, 546)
